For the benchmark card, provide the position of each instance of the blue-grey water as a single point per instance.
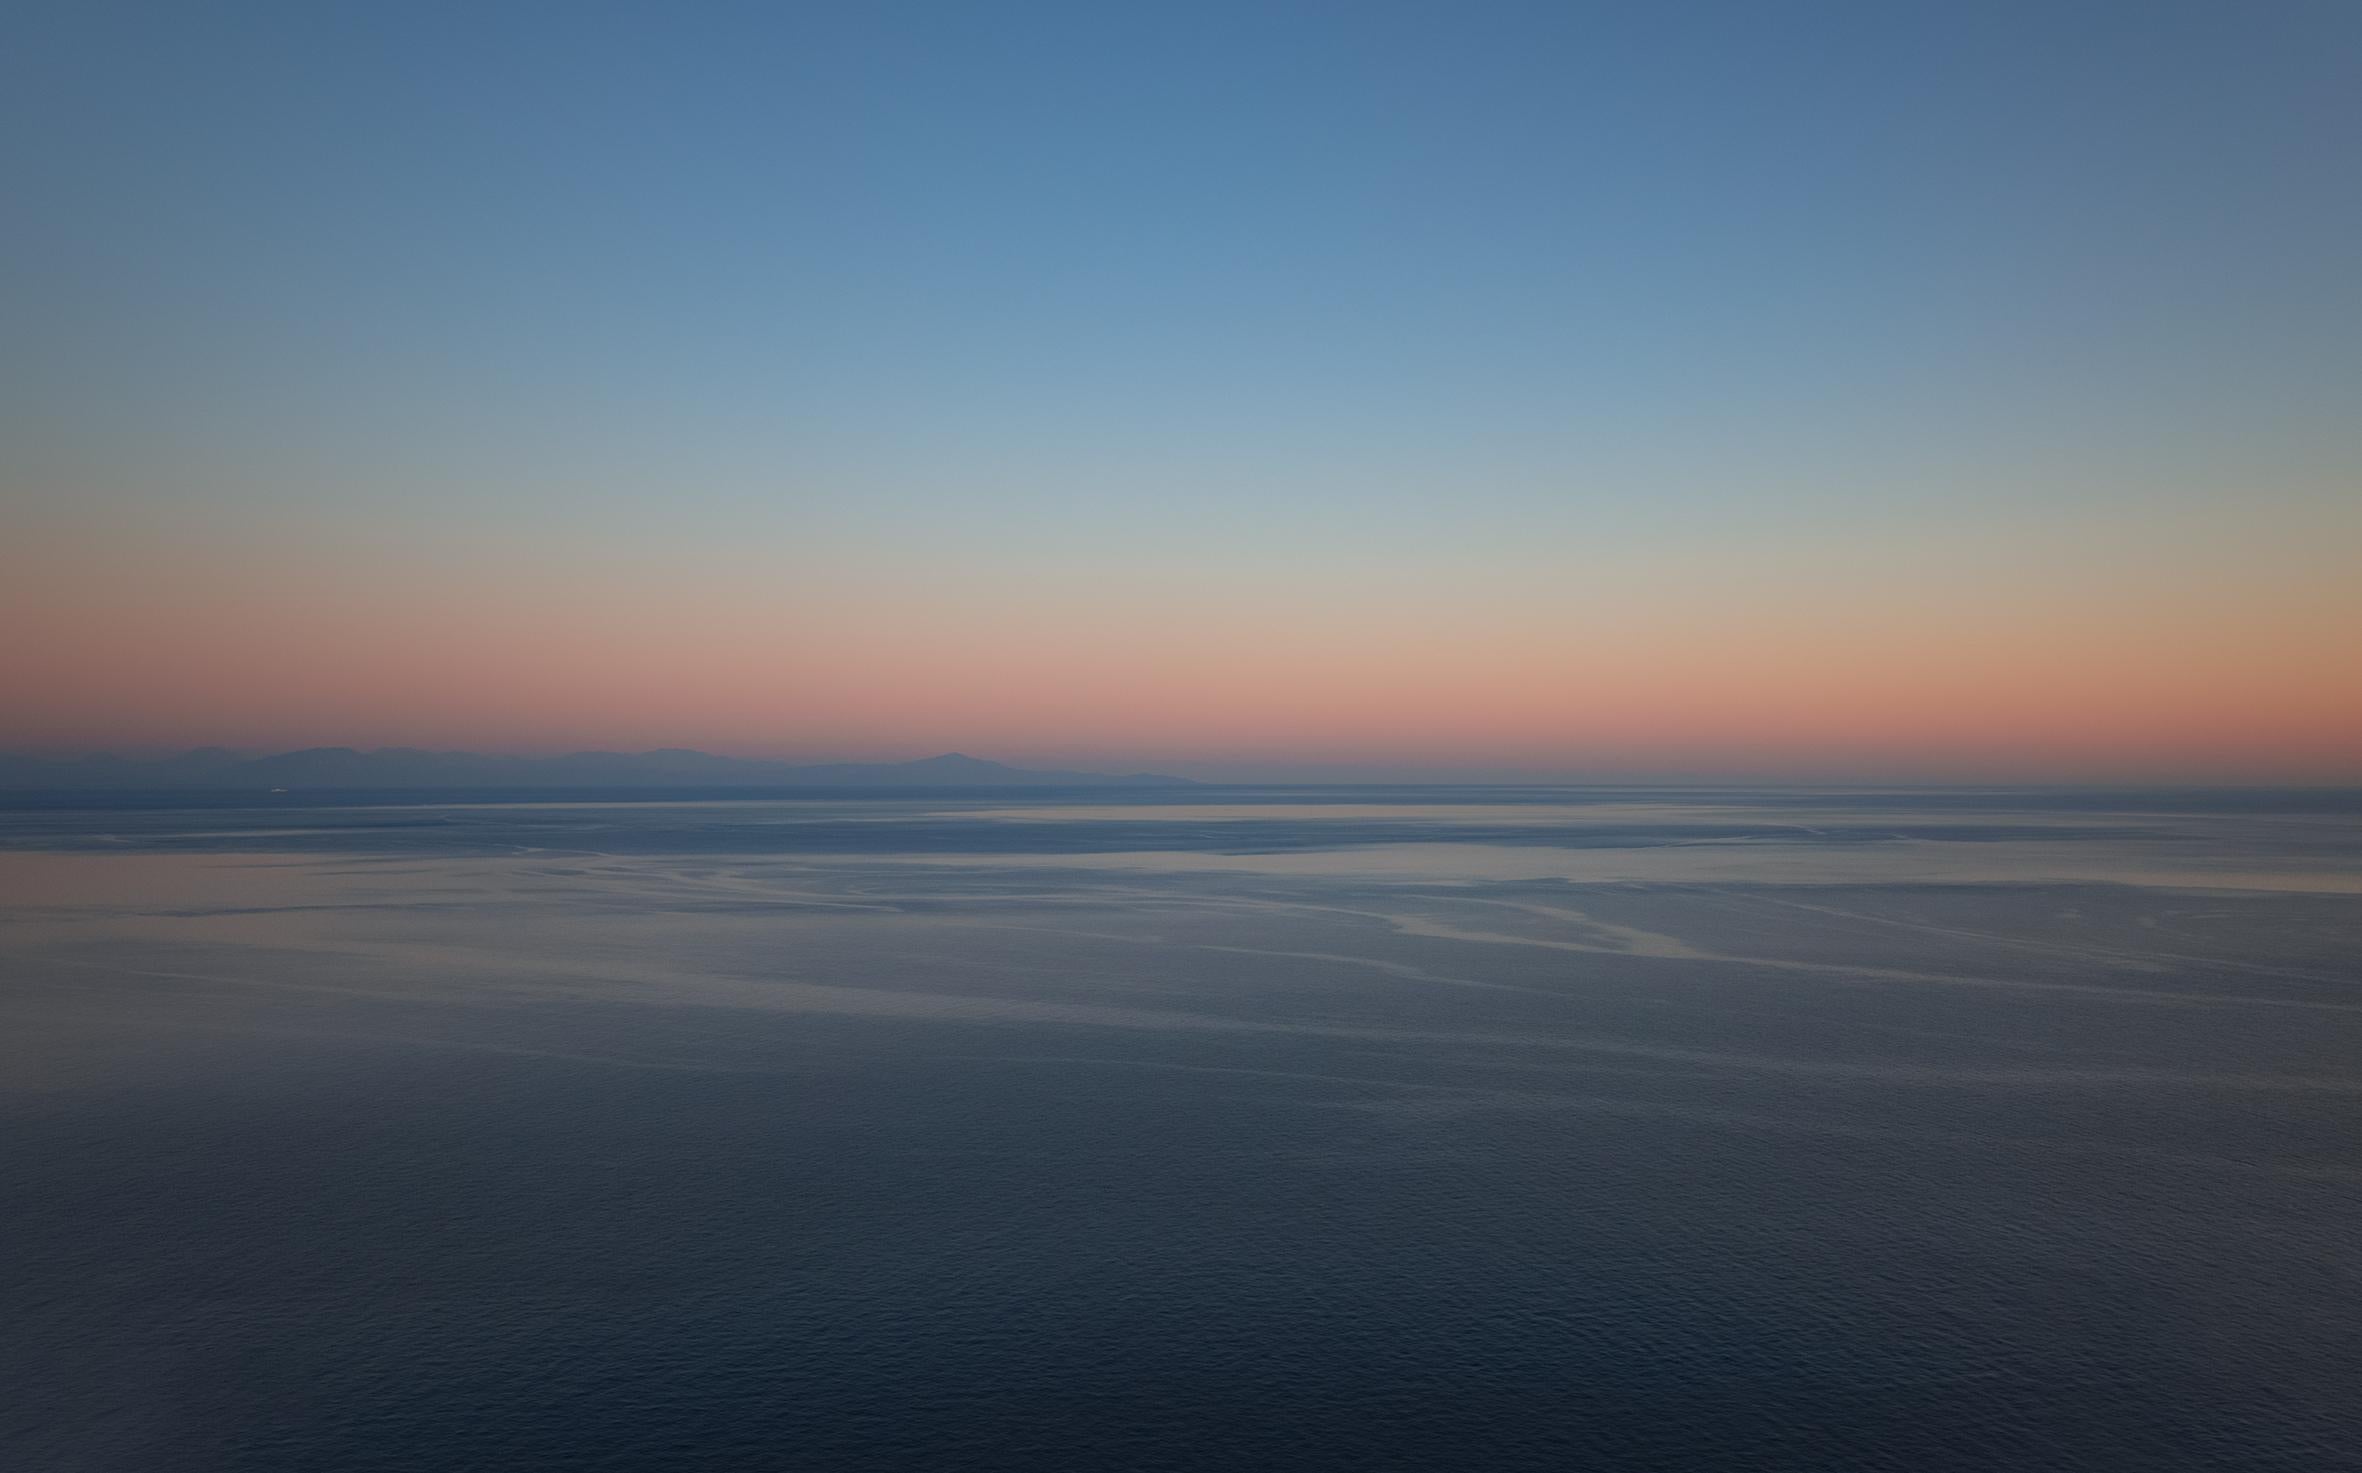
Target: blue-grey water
(1256, 1129)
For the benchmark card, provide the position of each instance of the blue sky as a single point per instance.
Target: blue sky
(1261, 293)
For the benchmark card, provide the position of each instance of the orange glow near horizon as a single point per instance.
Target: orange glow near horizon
(1889, 667)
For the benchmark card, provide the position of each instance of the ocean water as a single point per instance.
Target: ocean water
(1253, 1129)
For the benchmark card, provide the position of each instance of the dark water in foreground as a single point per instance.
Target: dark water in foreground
(1377, 1129)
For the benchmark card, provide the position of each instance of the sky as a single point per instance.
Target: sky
(1275, 390)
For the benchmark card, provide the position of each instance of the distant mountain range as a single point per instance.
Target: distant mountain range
(406, 767)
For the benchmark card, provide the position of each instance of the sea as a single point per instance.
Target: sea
(1192, 1128)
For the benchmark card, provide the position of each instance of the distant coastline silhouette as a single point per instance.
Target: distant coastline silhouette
(410, 767)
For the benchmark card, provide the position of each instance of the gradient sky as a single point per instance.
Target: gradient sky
(1878, 391)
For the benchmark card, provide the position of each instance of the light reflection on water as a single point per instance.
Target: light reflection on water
(1345, 1132)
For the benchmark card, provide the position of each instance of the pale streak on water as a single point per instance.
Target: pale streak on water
(1245, 1129)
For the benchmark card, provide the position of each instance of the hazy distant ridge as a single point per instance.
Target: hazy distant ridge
(405, 767)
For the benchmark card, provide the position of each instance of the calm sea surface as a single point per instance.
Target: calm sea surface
(1237, 1129)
